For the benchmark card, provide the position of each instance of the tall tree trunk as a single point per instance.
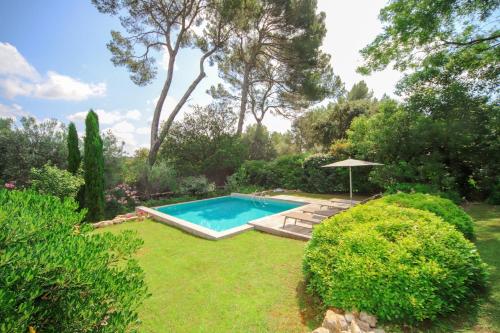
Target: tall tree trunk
(155, 124)
(155, 146)
(244, 98)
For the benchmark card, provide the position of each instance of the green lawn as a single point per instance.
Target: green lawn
(487, 228)
(253, 282)
(248, 283)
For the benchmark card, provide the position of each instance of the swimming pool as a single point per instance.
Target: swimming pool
(224, 213)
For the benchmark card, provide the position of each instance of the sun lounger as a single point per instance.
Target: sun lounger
(322, 212)
(302, 217)
(344, 204)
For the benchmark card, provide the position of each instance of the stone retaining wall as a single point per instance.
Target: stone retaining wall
(120, 219)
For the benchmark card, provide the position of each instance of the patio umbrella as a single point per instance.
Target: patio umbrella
(350, 163)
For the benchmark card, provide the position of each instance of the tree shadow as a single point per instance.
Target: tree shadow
(312, 310)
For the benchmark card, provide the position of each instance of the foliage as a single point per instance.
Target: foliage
(318, 128)
(494, 196)
(401, 264)
(203, 143)
(113, 153)
(273, 61)
(74, 157)
(58, 277)
(196, 186)
(93, 167)
(259, 142)
(153, 25)
(119, 200)
(284, 143)
(450, 144)
(423, 188)
(287, 171)
(53, 181)
(359, 91)
(442, 42)
(31, 145)
(443, 208)
(318, 179)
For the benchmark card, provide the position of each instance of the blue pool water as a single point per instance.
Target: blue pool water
(226, 212)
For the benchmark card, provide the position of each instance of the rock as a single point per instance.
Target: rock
(349, 316)
(378, 330)
(354, 328)
(371, 320)
(334, 322)
(363, 325)
(321, 330)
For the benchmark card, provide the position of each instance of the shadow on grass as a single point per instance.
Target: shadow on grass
(312, 310)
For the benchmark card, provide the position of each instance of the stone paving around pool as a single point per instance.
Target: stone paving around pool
(274, 224)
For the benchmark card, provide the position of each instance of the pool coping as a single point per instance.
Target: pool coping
(205, 232)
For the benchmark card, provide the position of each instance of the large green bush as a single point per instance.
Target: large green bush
(54, 181)
(196, 186)
(58, 277)
(443, 208)
(401, 264)
(423, 188)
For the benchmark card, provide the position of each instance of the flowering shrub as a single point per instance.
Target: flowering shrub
(120, 199)
(10, 185)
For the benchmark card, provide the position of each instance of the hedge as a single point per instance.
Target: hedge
(442, 207)
(402, 264)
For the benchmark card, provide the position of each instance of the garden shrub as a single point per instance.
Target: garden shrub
(287, 171)
(58, 276)
(329, 180)
(401, 264)
(54, 181)
(198, 186)
(423, 188)
(443, 208)
(494, 196)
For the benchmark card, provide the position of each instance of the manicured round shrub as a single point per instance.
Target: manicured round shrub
(444, 208)
(58, 276)
(401, 264)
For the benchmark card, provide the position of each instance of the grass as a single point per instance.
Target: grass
(248, 283)
(487, 227)
(253, 282)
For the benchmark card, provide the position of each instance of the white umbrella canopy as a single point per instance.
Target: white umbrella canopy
(350, 163)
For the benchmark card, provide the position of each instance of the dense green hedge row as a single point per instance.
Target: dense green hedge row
(303, 173)
(401, 264)
(56, 276)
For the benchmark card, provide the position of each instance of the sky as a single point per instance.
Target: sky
(54, 64)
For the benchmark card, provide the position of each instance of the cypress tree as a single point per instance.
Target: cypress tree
(74, 157)
(93, 166)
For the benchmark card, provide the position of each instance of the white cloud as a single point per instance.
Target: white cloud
(122, 124)
(13, 63)
(19, 78)
(133, 114)
(13, 111)
(107, 117)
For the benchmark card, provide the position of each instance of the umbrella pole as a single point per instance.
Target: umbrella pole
(350, 184)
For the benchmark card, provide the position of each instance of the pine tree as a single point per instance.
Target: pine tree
(93, 164)
(74, 157)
